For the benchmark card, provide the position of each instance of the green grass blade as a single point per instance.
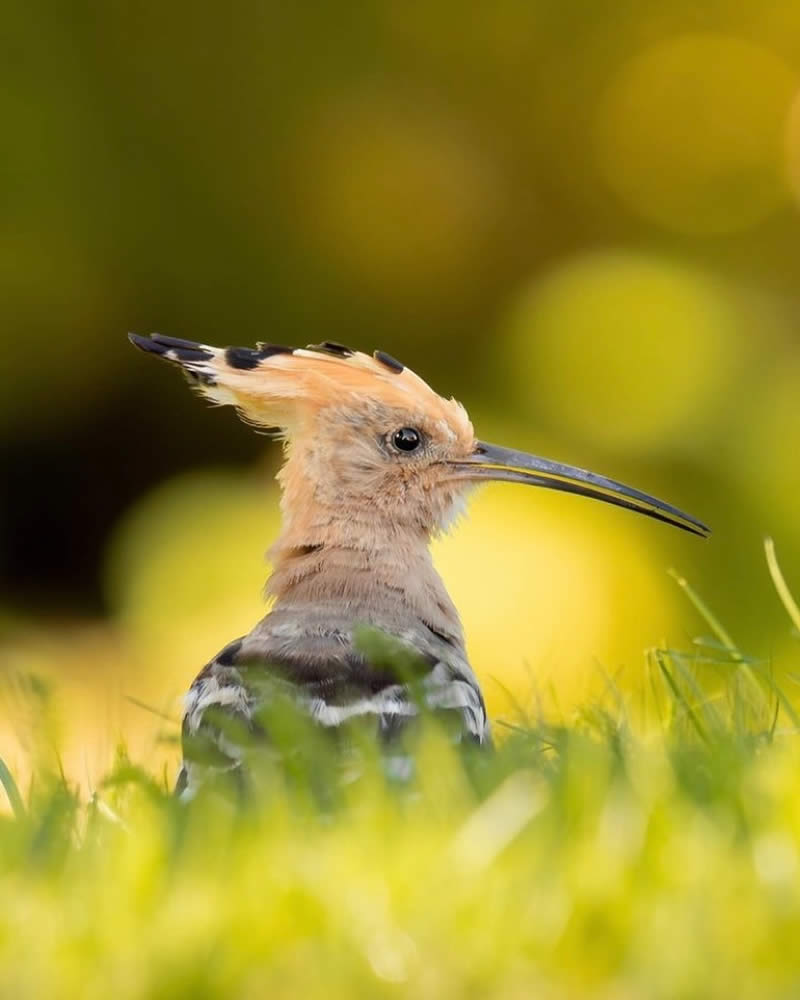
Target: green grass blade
(11, 790)
(680, 697)
(747, 676)
(779, 582)
(707, 614)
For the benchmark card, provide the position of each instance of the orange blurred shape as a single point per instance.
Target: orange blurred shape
(393, 195)
(793, 148)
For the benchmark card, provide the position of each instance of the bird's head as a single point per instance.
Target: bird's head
(370, 444)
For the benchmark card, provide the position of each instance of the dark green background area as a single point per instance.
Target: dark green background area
(384, 175)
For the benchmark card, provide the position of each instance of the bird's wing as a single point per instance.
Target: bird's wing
(331, 683)
(341, 671)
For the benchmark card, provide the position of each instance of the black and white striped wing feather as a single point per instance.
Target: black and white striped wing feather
(225, 705)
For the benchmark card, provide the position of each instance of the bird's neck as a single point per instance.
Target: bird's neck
(377, 574)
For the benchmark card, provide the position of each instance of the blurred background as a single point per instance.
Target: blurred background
(582, 220)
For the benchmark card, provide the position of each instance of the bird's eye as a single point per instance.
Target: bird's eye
(407, 439)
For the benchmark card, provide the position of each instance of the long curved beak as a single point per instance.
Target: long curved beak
(491, 462)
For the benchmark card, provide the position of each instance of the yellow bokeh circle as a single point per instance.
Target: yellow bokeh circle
(556, 594)
(627, 351)
(690, 133)
(186, 567)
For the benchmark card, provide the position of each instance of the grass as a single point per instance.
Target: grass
(634, 850)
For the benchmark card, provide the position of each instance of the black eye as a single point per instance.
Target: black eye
(407, 439)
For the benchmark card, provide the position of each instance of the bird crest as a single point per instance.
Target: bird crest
(282, 387)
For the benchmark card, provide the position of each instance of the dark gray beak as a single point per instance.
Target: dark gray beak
(491, 462)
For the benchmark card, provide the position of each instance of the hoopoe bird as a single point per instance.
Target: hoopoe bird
(376, 465)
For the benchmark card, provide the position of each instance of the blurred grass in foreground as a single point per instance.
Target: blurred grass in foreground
(646, 850)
